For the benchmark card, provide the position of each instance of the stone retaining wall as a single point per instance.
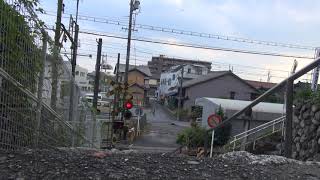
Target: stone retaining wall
(306, 130)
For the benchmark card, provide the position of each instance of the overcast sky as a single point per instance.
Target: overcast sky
(294, 22)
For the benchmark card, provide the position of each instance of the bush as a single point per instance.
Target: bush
(192, 137)
(172, 103)
(222, 134)
(183, 113)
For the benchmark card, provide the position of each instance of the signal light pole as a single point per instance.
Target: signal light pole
(134, 5)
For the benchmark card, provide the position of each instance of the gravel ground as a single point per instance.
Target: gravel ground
(90, 164)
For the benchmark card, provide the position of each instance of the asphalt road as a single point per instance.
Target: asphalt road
(162, 132)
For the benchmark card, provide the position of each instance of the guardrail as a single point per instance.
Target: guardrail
(288, 82)
(265, 126)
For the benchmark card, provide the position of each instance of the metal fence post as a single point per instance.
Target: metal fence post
(94, 118)
(212, 140)
(288, 131)
(40, 86)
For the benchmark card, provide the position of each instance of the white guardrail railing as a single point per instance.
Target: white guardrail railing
(265, 126)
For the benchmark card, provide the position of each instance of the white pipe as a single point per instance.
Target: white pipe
(212, 138)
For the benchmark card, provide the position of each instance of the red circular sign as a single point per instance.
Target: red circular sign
(214, 120)
(128, 105)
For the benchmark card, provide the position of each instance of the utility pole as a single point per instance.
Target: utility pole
(97, 77)
(115, 98)
(128, 47)
(180, 93)
(73, 69)
(134, 5)
(56, 60)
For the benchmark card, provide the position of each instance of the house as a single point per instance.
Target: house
(161, 64)
(103, 77)
(277, 97)
(82, 80)
(260, 85)
(138, 81)
(170, 80)
(217, 84)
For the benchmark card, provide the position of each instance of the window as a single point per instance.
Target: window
(189, 70)
(232, 94)
(173, 77)
(82, 74)
(77, 73)
(169, 82)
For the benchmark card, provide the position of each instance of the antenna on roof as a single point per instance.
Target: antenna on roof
(269, 76)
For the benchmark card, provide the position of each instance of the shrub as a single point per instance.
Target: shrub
(192, 137)
(222, 134)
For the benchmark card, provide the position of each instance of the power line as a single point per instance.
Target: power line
(245, 66)
(199, 46)
(193, 33)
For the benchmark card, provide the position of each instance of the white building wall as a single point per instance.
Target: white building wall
(82, 79)
(169, 82)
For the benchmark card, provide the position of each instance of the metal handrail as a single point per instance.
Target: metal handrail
(268, 124)
(289, 82)
(258, 129)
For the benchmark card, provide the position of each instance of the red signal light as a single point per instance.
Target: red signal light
(128, 105)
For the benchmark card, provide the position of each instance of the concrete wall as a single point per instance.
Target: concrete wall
(218, 88)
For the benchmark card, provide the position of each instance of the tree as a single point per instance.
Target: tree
(222, 134)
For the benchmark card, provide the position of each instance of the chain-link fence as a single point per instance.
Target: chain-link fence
(26, 119)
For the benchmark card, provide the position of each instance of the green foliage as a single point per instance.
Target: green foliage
(21, 57)
(304, 93)
(273, 99)
(196, 112)
(183, 113)
(307, 94)
(172, 103)
(222, 134)
(192, 137)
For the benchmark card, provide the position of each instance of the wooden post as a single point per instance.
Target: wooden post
(288, 134)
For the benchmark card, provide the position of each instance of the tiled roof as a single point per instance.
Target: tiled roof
(259, 84)
(144, 69)
(204, 78)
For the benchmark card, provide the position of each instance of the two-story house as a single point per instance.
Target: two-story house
(161, 64)
(170, 80)
(138, 80)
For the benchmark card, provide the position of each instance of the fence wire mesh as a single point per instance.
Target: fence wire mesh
(26, 119)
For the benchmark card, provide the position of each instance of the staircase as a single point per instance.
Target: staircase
(251, 136)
